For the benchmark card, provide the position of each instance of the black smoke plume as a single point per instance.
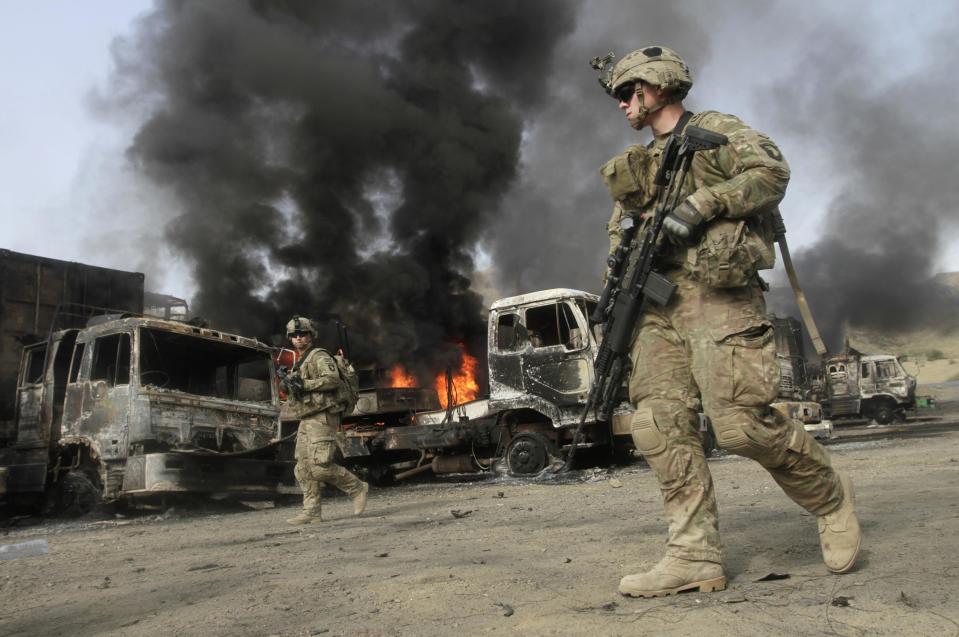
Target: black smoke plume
(892, 138)
(339, 156)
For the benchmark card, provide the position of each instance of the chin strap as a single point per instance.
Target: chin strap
(644, 112)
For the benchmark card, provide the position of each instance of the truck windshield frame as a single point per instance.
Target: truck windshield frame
(175, 362)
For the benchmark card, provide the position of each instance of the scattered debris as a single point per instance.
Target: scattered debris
(615, 483)
(507, 609)
(735, 599)
(772, 577)
(279, 533)
(908, 600)
(500, 494)
(203, 567)
(382, 555)
(104, 584)
(841, 601)
(609, 606)
(456, 513)
(30, 548)
(567, 560)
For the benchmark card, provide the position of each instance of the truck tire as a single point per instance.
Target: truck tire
(76, 494)
(883, 413)
(527, 454)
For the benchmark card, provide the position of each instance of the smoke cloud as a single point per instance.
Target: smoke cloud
(357, 157)
(888, 130)
(338, 157)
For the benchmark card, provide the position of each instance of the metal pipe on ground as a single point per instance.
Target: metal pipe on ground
(462, 463)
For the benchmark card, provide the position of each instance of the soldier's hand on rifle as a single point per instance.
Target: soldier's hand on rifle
(682, 224)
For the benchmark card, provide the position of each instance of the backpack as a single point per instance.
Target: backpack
(348, 393)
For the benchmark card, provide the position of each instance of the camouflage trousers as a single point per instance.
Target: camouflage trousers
(315, 446)
(714, 349)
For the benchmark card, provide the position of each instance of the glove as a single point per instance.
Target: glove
(683, 224)
(291, 382)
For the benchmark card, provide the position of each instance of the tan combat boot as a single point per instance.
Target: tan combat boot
(675, 575)
(304, 518)
(839, 532)
(359, 500)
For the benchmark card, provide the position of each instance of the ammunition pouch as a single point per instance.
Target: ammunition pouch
(314, 402)
(626, 176)
(731, 252)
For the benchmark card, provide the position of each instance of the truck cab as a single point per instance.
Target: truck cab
(541, 352)
(870, 386)
(144, 406)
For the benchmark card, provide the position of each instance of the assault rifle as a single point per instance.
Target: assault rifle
(633, 282)
(292, 383)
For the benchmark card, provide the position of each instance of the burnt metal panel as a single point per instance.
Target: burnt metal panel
(385, 400)
(479, 433)
(32, 289)
(202, 473)
(557, 375)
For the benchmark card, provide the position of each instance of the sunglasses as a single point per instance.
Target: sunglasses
(625, 92)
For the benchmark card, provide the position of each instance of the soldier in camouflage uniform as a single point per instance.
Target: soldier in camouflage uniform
(317, 379)
(712, 346)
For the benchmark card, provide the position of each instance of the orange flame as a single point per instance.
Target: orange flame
(465, 387)
(399, 377)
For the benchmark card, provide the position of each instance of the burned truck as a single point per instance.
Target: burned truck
(855, 385)
(100, 402)
(132, 407)
(849, 385)
(540, 353)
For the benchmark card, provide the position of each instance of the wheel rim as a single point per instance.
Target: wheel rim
(526, 455)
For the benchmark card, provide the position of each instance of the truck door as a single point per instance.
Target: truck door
(55, 383)
(105, 410)
(867, 378)
(508, 341)
(556, 363)
(30, 396)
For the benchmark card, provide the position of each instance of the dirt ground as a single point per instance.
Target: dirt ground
(524, 558)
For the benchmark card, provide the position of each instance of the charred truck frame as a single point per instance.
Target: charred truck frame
(136, 406)
(541, 349)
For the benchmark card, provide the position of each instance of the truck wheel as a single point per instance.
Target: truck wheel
(527, 454)
(76, 494)
(883, 414)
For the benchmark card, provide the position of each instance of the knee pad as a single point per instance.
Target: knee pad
(743, 440)
(647, 437)
(301, 472)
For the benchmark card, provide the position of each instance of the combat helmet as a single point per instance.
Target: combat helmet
(299, 324)
(654, 65)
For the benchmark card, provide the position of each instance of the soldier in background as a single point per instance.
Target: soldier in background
(711, 346)
(312, 388)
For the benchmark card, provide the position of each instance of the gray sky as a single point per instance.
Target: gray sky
(62, 164)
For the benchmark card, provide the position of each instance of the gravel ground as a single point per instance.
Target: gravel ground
(500, 556)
